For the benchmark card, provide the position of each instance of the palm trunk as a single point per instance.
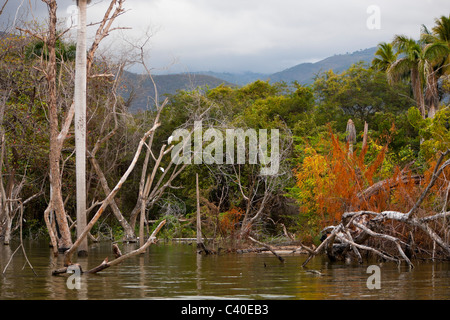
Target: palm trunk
(416, 84)
(80, 125)
(432, 94)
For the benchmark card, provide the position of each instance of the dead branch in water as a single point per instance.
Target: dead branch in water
(119, 257)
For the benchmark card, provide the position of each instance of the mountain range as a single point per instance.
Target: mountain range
(142, 88)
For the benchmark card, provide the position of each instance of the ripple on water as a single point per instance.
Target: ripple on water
(177, 272)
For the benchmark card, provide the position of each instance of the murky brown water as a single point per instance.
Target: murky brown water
(175, 271)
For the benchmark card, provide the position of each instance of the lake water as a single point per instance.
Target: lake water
(176, 271)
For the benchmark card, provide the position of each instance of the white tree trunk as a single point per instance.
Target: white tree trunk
(80, 124)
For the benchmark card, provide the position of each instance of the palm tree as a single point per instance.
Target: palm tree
(442, 28)
(418, 58)
(437, 68)
(384, 57)
(442, 33)
(410, 61)
(80, 123)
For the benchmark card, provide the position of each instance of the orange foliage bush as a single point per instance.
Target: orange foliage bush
(328, 185)
(229, 221)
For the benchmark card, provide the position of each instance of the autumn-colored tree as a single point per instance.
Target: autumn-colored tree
(229, 221)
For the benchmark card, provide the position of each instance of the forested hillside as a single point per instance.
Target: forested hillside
(139, 87)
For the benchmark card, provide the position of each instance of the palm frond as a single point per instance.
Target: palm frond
(384, 56)
(398, 69)
(442, 28)
(436, 52)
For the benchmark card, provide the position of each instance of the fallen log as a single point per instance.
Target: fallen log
(268, 248)
(252, 250)
(387, 184)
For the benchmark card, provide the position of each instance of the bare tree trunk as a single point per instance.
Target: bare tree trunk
(351, 136)
(366, 130)
(200, 245)
(56, 200)
(80, 125)
(4, 212)
(199, 220)
(61, 234)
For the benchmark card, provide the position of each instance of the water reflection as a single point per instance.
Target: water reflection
(177, 272)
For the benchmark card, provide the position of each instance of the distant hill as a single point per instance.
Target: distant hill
(304, 73)
(142, 88)
(240, 79)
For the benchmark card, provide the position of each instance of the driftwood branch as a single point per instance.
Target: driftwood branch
(364, 247)
(354, 248)
(106, 264)
(386, 237)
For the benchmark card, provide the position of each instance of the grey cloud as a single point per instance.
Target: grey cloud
(258, 35)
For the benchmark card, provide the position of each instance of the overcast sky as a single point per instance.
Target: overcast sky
(252, 35)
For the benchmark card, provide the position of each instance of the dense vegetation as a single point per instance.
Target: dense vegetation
(326, 166)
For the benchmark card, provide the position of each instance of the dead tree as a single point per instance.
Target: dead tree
(351, 136)
(260, 194)
(59, 131)
(56, 204)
